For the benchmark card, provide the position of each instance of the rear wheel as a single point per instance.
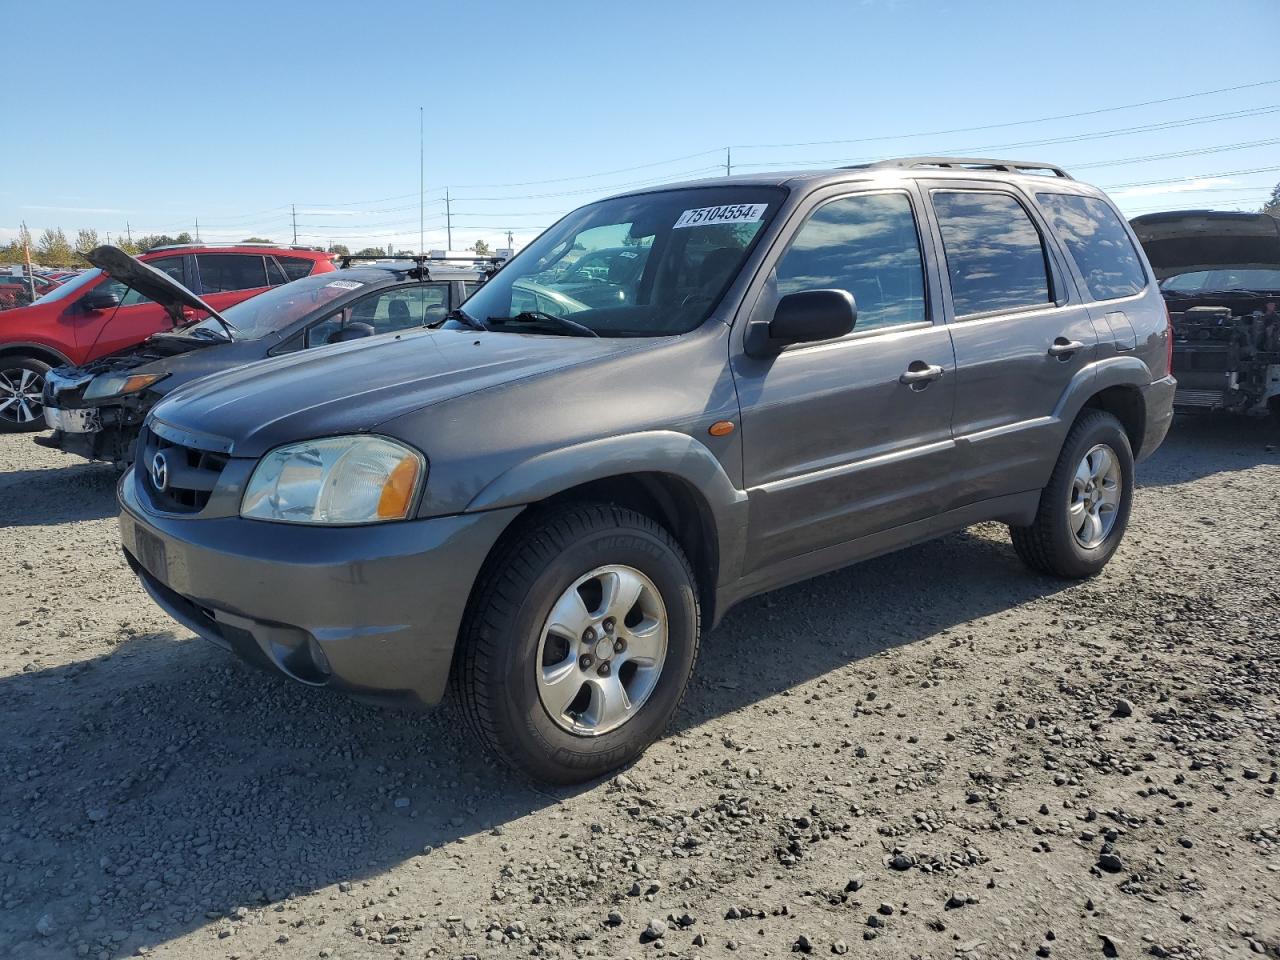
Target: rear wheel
(22, 394)
(578, 643)
(1084, 509)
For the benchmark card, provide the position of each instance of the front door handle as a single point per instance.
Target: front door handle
(1063, 348)
(920, 374)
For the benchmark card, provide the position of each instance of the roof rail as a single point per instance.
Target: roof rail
(966, 163)
(422, 261)
(232, 243)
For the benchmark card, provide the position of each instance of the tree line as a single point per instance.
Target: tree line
(53, 248)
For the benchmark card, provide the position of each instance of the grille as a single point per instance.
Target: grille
(179, 477)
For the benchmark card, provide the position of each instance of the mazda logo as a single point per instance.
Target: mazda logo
(160, 472)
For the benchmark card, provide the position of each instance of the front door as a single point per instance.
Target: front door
(852, 436)
(1021, 335)
(101, 332)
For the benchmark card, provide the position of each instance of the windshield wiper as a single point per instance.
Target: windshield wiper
(537, 316)
(462, 317)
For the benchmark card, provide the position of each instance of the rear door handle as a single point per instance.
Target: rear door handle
(1062, 347)
(920, 374)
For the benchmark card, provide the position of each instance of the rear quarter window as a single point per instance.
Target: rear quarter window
(295, 268)
(1098, 242)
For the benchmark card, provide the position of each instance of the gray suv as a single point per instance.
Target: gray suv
(545, 510)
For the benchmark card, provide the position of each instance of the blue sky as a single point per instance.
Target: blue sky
(157, 113)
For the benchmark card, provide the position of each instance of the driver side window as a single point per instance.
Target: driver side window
(128, 297)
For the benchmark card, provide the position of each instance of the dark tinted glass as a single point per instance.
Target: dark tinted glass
(173, 266)
(867, 245)
(275, 276)
(296, 268)
(221, 272)
(1098, 243)
(995, 259)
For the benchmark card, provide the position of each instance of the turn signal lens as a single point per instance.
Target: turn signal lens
(397, 492)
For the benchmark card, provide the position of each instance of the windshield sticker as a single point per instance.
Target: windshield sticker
(729, 213)
(346, 284)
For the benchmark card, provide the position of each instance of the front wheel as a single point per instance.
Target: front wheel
(1084, 508)
(22, 394)
(579, 642)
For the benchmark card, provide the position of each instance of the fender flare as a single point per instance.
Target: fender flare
(653, 451)
(1121, 371)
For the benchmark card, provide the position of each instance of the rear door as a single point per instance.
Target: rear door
(851, 436)
(106, 331)
(1020, 332)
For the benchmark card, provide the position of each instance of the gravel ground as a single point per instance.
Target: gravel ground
(934, 754)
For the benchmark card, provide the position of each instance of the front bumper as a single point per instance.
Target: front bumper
(1158, 402)
(373, 611)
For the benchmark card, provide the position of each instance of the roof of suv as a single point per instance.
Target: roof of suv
(966, 168)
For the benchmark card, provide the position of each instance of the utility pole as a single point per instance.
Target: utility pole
(511, 242)
(128, 232)
(294, 208)
(728, 161)
(422, 196)
(197, 229)
(448, 221)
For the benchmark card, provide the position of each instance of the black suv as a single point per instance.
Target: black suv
(546, 510)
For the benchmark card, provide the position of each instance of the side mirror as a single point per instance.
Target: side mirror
(99, 301)
(805, 317)
(352, 331)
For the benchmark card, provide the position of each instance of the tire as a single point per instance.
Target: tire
(517, 664)
(1055, 543)
(21, 388)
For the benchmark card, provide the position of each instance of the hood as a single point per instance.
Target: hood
(354, 386)
(153, 284)
(1192, 240)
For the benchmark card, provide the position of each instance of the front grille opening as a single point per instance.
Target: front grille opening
(188, 474)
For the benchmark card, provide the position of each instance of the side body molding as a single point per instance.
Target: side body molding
(653, 451)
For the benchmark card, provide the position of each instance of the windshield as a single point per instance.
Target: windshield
(277, 308)
(1243, 279)
(74, 285)
(640, 266)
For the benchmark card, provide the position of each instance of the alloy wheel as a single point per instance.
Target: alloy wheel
(1095, 496)
(21, 395)
(602, 650)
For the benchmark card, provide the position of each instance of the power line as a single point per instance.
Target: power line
(1201, 176)
(1012, 123)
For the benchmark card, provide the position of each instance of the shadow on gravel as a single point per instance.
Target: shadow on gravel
(1204, 445)
(147, 793)
(78, 491)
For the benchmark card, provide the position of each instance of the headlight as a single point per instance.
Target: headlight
(335, 480)
(118, 384)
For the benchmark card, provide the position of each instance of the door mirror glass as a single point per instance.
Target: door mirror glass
(813, 315)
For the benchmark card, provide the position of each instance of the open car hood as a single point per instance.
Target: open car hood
(1187, 241)
(147, 280)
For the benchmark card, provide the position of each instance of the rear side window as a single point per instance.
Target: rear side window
(295, 268)
(274, 274)
(995, 257)
(865, 244)
(1098, 243)
(223, 272)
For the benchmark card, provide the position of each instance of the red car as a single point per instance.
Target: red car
(92, 315)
